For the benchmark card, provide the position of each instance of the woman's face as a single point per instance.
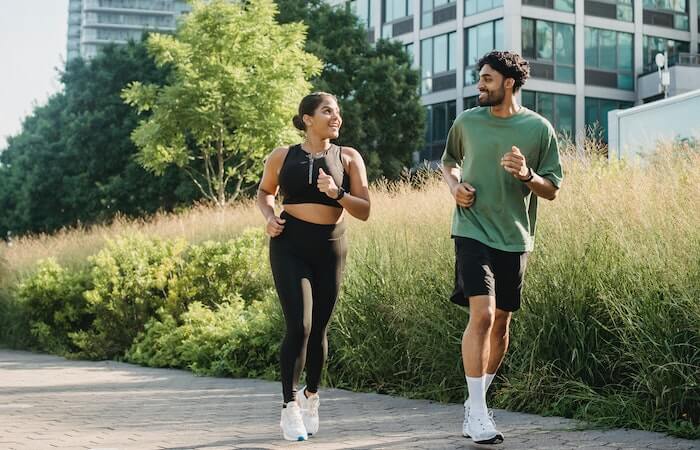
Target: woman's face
(326, 120)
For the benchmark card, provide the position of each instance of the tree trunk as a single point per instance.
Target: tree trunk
(222, 186)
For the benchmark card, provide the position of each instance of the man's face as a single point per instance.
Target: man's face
(491, 87)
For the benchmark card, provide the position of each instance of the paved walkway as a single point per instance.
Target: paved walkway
(48, 402)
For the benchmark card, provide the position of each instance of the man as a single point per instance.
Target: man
(499, 158)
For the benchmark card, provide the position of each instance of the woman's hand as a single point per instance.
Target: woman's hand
(275, 226)
(326, 184)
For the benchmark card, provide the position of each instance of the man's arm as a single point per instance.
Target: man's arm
(462, 192)
(514, 163)
(542, 187)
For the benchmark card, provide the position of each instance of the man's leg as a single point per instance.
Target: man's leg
(498, 343)
(476, 346)
(509, 271)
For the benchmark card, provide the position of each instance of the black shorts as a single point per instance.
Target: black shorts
(482, 270)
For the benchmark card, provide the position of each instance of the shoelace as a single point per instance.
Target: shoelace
(313, 403)
(297, 420)
(489, 411)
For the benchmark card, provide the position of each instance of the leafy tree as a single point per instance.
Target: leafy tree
(31, 171)
(103, 177)
(74, 162)
(375, 85)
(237, 78)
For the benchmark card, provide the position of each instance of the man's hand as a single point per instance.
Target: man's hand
(274, 226)
(326, 184)
(464, 194)
(514, 163)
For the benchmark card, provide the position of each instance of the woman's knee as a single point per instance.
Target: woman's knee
(299, 332)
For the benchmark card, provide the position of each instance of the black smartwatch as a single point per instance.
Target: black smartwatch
(530, 177)
(341, 194)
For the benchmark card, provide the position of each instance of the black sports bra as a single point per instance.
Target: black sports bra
(299, 175)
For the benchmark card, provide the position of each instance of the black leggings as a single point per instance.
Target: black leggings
(307, 262)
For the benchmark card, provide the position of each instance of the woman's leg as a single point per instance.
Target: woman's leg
(293, 283)
(326, 286)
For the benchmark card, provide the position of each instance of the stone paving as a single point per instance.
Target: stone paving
(47, 402)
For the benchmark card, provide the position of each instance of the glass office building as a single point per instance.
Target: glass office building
(586, 56)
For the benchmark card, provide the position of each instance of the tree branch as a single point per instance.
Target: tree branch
(197, 183)
(220, 161)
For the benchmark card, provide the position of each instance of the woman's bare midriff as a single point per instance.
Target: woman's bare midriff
(315, 213)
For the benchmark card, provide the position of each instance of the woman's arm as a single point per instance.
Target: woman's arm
(267, 190)
(356, 202)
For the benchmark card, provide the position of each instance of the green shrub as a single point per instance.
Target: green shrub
(54, 306)
(14, 324)
(231, 339)
(220, 272)
(131, 278)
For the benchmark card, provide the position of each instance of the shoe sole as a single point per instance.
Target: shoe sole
(498, 436)
(296, 439)
(498, 439)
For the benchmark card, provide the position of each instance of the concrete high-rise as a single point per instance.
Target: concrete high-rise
(95, 23)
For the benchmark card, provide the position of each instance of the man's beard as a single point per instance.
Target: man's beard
(493, 98)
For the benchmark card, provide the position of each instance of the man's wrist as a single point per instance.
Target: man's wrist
(530, 175)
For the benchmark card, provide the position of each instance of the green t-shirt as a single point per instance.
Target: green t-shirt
(504, 211)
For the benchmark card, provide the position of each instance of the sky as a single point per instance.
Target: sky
(33, 36)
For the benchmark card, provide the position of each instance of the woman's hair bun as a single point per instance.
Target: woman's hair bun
(298, 123)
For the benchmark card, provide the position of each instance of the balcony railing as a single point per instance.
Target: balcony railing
(679, 59)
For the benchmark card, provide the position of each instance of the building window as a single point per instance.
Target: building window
(119, 35)
(130, 19)
(472, 7)
(654, 45)
(549, 46)
(397, 17)
(597, 116)
(439, 117)
(666, 13)
(157, 5)
(609, 58)
(411, 55)
(557, 108)
(611, 9)
(363, 10)
(478, 41)
(559, 5)
(471, 102)
(434, 12)
(437, 60)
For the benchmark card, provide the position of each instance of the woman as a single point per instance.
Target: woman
(318, 181)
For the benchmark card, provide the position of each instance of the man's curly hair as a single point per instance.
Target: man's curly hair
(508, 64)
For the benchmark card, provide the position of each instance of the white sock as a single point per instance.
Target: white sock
(477, 395)
(489, 379)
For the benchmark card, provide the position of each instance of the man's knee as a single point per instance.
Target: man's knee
(501, 323)
(482, 314)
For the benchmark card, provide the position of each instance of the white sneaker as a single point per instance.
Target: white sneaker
(309, 410)
(482, 429)
(291, 423)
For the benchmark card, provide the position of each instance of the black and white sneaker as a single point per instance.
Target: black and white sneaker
(481, 428)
